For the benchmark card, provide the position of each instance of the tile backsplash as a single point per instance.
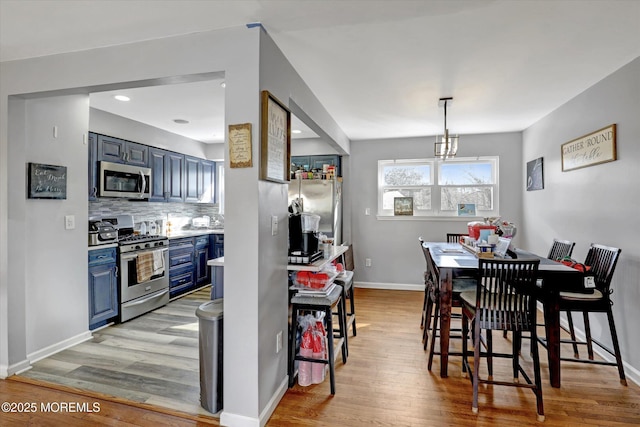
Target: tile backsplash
(149, 211)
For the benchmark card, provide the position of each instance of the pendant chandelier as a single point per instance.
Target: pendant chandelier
(446, 146)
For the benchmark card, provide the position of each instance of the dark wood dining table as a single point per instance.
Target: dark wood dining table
(452, 259)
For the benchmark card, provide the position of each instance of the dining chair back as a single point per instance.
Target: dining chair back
(602, 261)
(560, 249)
(504, 300)
(455, 237)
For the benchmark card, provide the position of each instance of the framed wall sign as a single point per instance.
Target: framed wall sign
(592, 149)
(240, 155)
(46, 181)
(535, 178)
(275, 140)
(403, 205)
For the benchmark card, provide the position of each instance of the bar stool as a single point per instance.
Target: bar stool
(346, 282)
(299, 304)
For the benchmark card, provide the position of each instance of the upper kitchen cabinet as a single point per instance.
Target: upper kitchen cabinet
(168, 175)
(309, 163)
(117, 150)
(93, 166)
(200, 180)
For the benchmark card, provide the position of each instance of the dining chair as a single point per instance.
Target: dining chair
(504, 299)
(455, 237)
(432, 312)
(560, 249)
(602, 261)
(427, 284)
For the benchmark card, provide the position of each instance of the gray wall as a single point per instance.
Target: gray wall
(392, 244)
(596, 204)
(37, 230)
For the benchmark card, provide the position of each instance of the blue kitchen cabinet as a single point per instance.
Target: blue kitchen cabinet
(216, 242)
(117, 150)
(207, 181)
(201, 257)
(317, 162)
(167, 175)
(92, 141)
(200, 179)
(191, 179)
(181, 266)
(103, 287)
(308, 163)
(301, 162)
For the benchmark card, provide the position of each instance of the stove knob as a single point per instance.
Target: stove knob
(137, 246)
(147, 245)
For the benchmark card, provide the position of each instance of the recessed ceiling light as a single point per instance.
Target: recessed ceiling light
(223, 84)
(296, 131)
(122, 98)
(181, 121)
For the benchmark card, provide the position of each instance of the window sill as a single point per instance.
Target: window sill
(429, 218)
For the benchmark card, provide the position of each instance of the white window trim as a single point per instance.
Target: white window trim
(435, 213)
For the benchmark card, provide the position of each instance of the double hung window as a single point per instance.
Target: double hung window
(438, 187)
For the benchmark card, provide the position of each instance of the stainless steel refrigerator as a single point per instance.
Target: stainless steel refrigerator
(322, 197)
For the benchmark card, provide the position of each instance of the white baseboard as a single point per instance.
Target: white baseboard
(390, 286)
(235, 420)
(58, 347)
(273, 402)
(16, 368)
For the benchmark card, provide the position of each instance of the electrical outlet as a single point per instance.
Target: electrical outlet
(278, 342)
(367, 262)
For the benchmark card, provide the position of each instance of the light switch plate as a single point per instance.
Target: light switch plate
(69, 222)
(274, 225)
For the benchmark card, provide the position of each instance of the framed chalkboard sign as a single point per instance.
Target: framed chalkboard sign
(46, 181)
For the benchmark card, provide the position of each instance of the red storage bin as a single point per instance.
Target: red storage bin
(475, 227)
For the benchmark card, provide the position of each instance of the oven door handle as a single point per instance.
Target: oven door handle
(142, 301)
(130, 256)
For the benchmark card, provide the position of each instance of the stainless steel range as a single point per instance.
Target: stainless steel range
(144, 269)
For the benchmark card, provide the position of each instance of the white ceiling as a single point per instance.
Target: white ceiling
(378, 66)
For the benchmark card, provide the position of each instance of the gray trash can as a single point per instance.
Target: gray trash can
(210, 321)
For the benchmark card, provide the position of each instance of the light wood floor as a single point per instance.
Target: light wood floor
(386, 383)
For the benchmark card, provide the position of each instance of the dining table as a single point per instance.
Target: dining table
(454, 259)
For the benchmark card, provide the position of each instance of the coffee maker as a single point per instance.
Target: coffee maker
(303, 233)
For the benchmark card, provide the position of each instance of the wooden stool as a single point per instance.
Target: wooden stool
(325, 304)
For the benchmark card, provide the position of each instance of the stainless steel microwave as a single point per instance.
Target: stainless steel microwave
(127, 181)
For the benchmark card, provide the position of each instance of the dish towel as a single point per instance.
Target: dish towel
(158, 262)
(144, 266)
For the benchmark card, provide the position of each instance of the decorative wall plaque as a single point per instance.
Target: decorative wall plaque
(240, 155)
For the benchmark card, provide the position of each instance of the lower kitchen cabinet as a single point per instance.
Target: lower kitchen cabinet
(203, 276)
(216, 244)
(188, 258)
(181, 266)
(103, 287)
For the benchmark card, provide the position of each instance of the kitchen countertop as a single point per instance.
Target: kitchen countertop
(108, 245)
(197, 232)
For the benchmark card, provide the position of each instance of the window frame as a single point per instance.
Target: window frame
(436, 188)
